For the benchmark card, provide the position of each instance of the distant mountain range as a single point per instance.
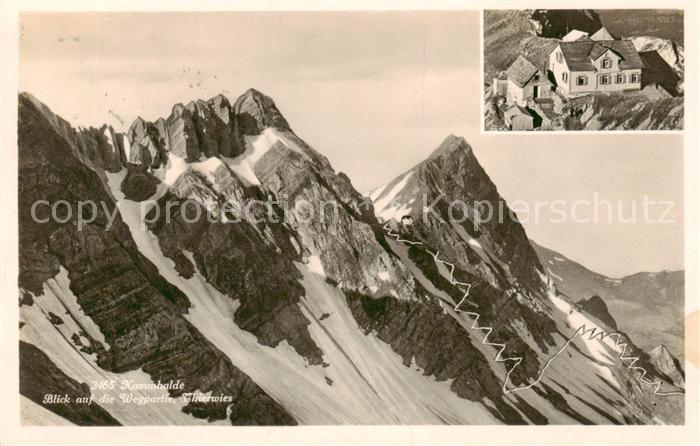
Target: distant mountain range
(648, 306)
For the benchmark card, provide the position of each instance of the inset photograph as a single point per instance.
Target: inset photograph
(301, 224)
(609, 69)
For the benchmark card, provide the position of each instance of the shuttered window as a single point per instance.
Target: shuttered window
(620, 79)
(582, 80)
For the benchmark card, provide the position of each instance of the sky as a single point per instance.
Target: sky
(375, 92)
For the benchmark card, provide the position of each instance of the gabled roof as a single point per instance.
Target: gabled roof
(599, 49)
(521, 70)
(580, 54)
(602, 34)
(516, 110)
(574, 34)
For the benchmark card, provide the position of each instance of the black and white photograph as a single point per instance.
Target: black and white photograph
(306, 220)
(571, 69)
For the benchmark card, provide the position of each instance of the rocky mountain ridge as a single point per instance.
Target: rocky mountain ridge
(324, 320)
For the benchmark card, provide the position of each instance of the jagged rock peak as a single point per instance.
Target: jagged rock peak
(256, 112)
(219, 100)
(177, 110)
(138, 127)
(451, 144)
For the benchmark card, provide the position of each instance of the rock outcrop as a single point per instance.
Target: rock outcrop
(595, 306)
(665, 362)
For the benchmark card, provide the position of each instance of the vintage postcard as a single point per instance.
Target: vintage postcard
(304, 219)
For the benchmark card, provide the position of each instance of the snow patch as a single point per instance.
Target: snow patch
(575, 319)
(108, 135)
(295, 244)
(127, 147)
(473, 242)
(373, 195)
(386, 208)
(554, 275)
(114, 183)
(174, 169)
(370, 381)
(314, 264)
(32, 414)
(208, 168)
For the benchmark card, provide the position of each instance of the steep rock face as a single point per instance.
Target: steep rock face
(507, 287)
(336, 226)
(147, 144)
(667, 364)
(251, 259)
(182, 134)
(252, 264)
(139, 314)
(491, 253)
(331, 217)
(595, 306)
(455, 208)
